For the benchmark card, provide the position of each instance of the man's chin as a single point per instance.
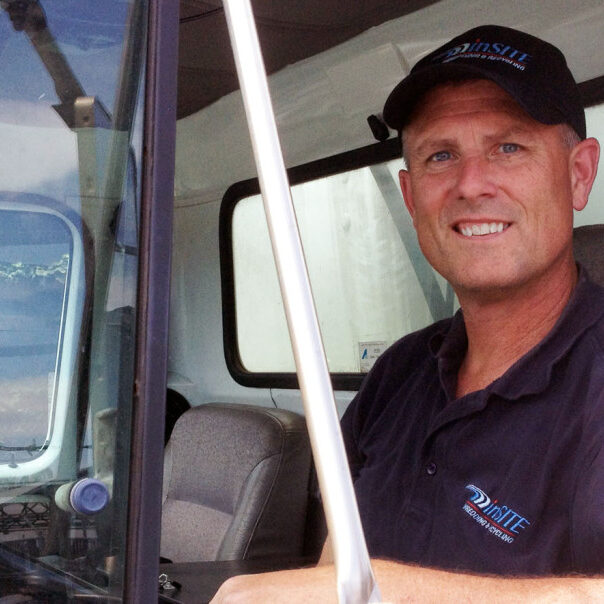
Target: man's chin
(485, 285)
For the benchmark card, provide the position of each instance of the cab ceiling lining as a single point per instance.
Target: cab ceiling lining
(289, 31)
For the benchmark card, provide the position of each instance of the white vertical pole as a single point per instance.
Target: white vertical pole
(355, 580)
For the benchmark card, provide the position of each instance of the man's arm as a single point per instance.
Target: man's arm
(407, 583)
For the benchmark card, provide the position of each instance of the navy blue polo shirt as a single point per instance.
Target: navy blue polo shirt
(505, 480)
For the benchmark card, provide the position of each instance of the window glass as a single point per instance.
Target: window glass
(71, 115)
(370, 282)
(593, 213)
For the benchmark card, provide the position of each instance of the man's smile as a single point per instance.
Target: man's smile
(474, 229)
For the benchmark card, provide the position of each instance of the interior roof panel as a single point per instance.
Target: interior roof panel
(289, 31)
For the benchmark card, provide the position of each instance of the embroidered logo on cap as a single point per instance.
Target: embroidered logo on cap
(500, 520)
(490, 51)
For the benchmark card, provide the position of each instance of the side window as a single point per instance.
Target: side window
(593, 213)
(370, 282)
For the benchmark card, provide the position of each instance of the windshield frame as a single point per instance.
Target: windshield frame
(73, 320)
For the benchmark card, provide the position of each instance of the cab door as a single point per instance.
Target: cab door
(86, 136)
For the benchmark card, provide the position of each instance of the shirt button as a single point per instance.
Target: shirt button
(431, 469)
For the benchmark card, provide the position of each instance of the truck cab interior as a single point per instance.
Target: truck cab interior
(238, 492)
(330, 70)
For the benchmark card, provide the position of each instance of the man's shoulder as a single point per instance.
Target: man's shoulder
(410, 364)
(410, 357)
(415, 346)
(589, 317)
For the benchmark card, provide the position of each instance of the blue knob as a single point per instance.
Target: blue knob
(89, 496)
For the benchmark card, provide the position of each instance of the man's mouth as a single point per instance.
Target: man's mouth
(477, 229)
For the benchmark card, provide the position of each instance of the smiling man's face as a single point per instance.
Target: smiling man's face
(489, 189)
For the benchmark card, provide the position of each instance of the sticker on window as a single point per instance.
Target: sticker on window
(368, 354)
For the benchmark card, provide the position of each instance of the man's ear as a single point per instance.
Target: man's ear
(583, 166)
(405, 181)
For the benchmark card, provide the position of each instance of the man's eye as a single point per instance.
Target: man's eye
(440, 156)
(509, 147)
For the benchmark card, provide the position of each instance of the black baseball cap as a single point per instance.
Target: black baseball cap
(532, 71)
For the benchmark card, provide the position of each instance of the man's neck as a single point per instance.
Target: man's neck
(502, 329)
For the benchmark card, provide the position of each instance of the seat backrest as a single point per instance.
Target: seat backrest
(589, 251)
(235, 484)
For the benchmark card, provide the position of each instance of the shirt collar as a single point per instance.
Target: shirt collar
(532, 372)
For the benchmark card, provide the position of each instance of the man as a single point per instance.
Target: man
(476, 445)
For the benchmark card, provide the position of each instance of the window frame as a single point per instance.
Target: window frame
(153, 288)
(73, 330)
(592, 92)
(336, 164)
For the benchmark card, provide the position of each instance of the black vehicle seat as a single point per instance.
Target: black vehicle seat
(235, 484)
(588, 242)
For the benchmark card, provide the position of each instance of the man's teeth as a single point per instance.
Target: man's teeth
(483, 229)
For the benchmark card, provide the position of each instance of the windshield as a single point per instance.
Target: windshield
(70, 142)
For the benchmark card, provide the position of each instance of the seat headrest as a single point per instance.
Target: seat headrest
(589, 250)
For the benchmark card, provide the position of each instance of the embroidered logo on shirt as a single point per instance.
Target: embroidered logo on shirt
(500, 520)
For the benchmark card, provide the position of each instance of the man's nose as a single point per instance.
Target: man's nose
(475, 178)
